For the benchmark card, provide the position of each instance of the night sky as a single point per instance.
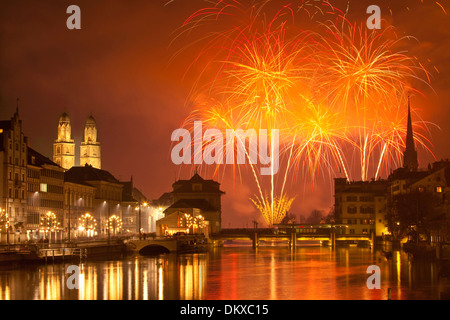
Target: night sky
(121, 68)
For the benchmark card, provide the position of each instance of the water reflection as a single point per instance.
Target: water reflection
(268, 273)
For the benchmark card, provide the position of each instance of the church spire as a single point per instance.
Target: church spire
(410, 154)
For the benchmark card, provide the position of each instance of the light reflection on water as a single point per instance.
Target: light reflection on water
(229, 273)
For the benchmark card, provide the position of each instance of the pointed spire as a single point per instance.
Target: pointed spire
(409, 132)
(410, 154)
(17, 106)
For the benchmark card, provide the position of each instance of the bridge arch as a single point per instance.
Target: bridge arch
(153, 249)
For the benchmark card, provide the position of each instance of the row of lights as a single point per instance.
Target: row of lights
(4, 220)
(49, 221)
(196, 222)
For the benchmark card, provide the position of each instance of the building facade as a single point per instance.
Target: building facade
(136, 210)
(436, 184)
(13, 171)
(45, 194)
(78, 206)
(196, 208)
(362, 206)
(107, 201)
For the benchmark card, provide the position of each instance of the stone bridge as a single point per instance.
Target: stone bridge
(152, 246)
(165, 245)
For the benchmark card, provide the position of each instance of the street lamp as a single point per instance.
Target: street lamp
(114, 223)
(139, 218)
(87, 223)
(49, 223)
(70, 217)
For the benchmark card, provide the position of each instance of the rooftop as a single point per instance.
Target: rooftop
(89, 173)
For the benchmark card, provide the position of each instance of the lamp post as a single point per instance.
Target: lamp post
(139, 217)
(49, 223)
(87, 223)
(69, 226)
(114, 223)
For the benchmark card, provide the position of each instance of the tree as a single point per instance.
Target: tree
(289, 218)
(408, 214)
(330, 217)
(315, 217)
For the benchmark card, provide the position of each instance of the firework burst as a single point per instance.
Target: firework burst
(336, 93)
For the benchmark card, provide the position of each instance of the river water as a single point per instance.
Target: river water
(232, 273)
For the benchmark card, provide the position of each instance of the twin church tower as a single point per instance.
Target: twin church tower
(64, 146)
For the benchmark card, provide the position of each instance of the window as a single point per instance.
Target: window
(352, 209)
(43, 187)
(439, 189)
(352, 198)
(367, 210)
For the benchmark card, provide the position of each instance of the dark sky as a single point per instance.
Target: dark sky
(118, 68)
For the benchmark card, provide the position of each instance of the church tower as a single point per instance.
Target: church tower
(90, 147)
(64, 146)
(410, 154)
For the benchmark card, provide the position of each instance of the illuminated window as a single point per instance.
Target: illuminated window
(43, 187)
(439, 189)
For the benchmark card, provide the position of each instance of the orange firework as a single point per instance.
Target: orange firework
(367, 76)
(336, 92)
